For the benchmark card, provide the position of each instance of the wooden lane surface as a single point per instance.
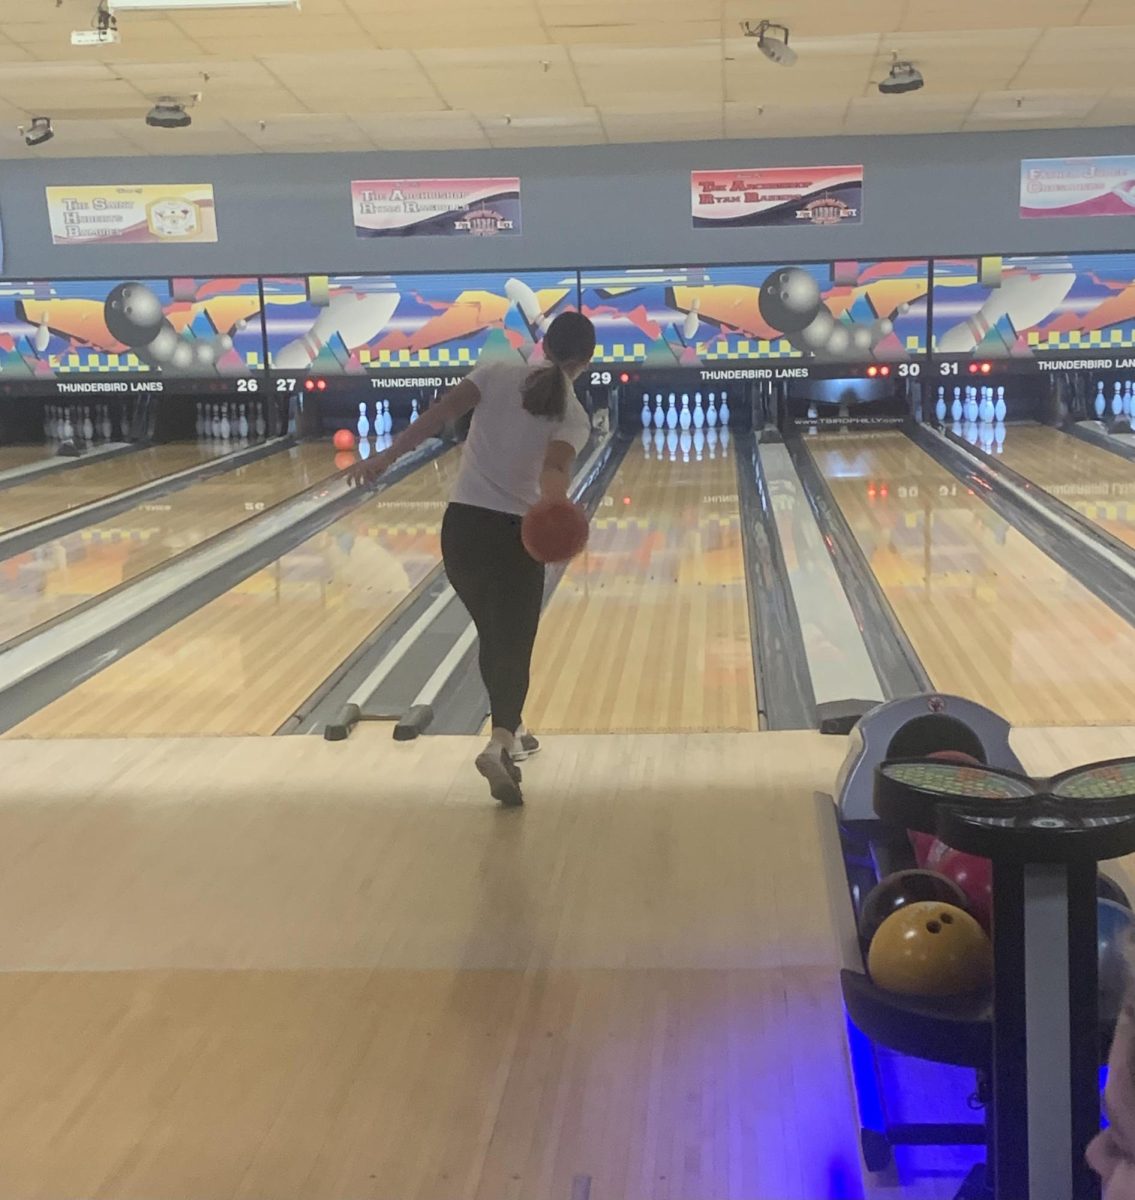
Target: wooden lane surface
(48, 495)
(989, 614)
(309, 971)
(1095, 483)
(649, 629)
(57, 576)
(242, 663)
(21, 456)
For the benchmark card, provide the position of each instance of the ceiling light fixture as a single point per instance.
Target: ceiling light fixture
(773, 45)
(902, 77)
(41, 131)
(168, 114)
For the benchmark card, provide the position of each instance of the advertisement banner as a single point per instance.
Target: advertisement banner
(777, 196)
(436, 207)
(132, 212)
(1078, 187)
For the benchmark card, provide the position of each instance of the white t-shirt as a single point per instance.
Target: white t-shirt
(504, 452)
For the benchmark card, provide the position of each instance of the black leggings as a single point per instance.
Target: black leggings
(502, 586)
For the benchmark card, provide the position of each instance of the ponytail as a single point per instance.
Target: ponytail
(545, 392)
(568, 342)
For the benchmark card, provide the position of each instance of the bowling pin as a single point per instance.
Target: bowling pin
(243, 426)
(356, 319)
(107, 425)
(42, 335)
(200, 426)
(215, 425)
(672, 444)
(68, 427)
(1127, 397)
(363, 424)
(723, 413)
(711, 413)
(387, 419)
(414, 414)
(659, 412)
(699, 442)
(645, 410)
(88, 425)
(987, 406)
(940, 407)
(690, 324)
(971, 405)
(956, 407)
(672, 413)
(813, 412)
(1101, 400)
(1000, 409)
(699, 414)
(686, 442)
(261, 423)
(226, 424)
(684, 417)
(1117, 400)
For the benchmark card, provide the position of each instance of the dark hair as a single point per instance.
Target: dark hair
(570, 340)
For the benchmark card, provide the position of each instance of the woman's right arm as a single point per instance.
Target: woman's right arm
(555, 476)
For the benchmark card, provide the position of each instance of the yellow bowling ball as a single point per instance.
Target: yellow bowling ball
(930, 949)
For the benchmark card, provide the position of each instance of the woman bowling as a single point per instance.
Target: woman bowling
(526, 429)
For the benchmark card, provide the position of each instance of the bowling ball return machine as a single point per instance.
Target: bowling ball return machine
(1045, 839)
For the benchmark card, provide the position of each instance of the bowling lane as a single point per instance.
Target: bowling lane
(244, 662)
(55, 493)
(63, 573)
(1097, 484)
(649, 629)
(989, 614)
(22, 456)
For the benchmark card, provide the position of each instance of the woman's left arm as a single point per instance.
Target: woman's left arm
(451, 407)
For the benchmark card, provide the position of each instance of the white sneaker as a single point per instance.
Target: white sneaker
(524, 745)
(503, 775)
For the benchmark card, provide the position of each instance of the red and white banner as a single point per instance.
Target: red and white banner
(777, 196)
(436, 207)
(1078, 187)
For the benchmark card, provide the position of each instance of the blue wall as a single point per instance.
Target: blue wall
(602, 206)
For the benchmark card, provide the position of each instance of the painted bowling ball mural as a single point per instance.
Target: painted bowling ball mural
(135, 317)
(792, 303)
(192, 327)
(834, 312)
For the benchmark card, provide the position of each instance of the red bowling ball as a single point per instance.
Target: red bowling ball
(974, 876)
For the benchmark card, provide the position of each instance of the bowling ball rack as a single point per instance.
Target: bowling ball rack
(1045, 838)
(964, 1032)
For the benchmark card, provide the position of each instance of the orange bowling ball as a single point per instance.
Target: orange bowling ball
(554, 530)
(344, 439)
(930, 949)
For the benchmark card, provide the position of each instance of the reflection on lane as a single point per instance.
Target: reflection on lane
(649, 628)
(58, 492)
(55, 577)
(990, 615)
(1097, 484)
(243, 663)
